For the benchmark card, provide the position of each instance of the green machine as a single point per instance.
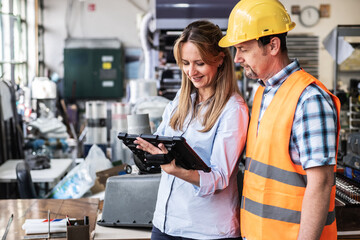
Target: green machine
(93, 69)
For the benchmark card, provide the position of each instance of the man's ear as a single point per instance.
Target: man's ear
(275, 45)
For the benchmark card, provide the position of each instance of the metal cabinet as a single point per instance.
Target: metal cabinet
(93, 69)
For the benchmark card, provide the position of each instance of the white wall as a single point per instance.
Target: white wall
(111, 18)
(118, 18)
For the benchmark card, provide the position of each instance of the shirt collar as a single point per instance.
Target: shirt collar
(282, 75)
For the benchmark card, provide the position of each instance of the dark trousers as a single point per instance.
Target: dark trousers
(156, 234)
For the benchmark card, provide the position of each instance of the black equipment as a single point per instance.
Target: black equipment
(177, 148)
(348, 187)
(37, 162)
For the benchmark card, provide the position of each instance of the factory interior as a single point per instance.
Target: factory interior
(79, 78)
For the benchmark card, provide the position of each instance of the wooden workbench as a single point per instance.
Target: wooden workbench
(38, 209)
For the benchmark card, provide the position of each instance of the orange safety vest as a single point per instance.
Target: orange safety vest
(274, 186)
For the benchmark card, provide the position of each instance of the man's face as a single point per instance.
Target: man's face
(254, 59)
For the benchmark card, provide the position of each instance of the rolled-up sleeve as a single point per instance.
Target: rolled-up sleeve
(314, 133)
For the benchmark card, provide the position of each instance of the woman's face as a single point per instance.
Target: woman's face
(199, 73)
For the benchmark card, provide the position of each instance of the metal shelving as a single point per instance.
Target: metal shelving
(354, 114)
(306, 49)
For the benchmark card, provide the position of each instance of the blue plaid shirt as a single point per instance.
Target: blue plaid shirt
(313, 134)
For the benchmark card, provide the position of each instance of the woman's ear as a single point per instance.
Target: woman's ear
(221, 58)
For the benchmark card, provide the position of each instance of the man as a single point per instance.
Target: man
(289, 185)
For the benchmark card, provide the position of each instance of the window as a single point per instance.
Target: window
(13, 41)
(40, 40)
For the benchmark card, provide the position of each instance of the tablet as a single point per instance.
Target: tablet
(177, 147)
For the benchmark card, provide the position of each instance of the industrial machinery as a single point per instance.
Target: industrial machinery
(170, 18)
(93, 69)
(348, 187)
(176, 15)
(347, 203)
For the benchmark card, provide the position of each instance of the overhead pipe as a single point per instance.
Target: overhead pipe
(146, 45)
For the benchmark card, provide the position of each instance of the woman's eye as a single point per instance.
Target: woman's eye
(200, 64)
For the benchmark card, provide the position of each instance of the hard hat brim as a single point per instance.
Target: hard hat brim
(227, 42)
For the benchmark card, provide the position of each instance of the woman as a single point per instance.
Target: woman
(212, 116)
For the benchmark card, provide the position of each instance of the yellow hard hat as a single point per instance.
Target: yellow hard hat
(252, 19)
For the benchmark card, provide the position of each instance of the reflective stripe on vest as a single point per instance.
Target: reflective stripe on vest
(277, 213)
(280, 175)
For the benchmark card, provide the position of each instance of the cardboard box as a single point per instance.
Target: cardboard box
(102, 176)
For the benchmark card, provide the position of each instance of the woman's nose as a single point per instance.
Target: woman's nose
(192, 70)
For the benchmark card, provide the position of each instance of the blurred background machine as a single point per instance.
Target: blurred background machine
(170, 19)
(93, 69)
(43, 92)
(96, 115)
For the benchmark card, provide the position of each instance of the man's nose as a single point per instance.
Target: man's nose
(238, 58)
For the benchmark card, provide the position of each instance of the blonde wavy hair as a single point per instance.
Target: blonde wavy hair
(205, 36)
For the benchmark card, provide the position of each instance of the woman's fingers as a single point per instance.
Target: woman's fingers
(146, 146)
(163, 148)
